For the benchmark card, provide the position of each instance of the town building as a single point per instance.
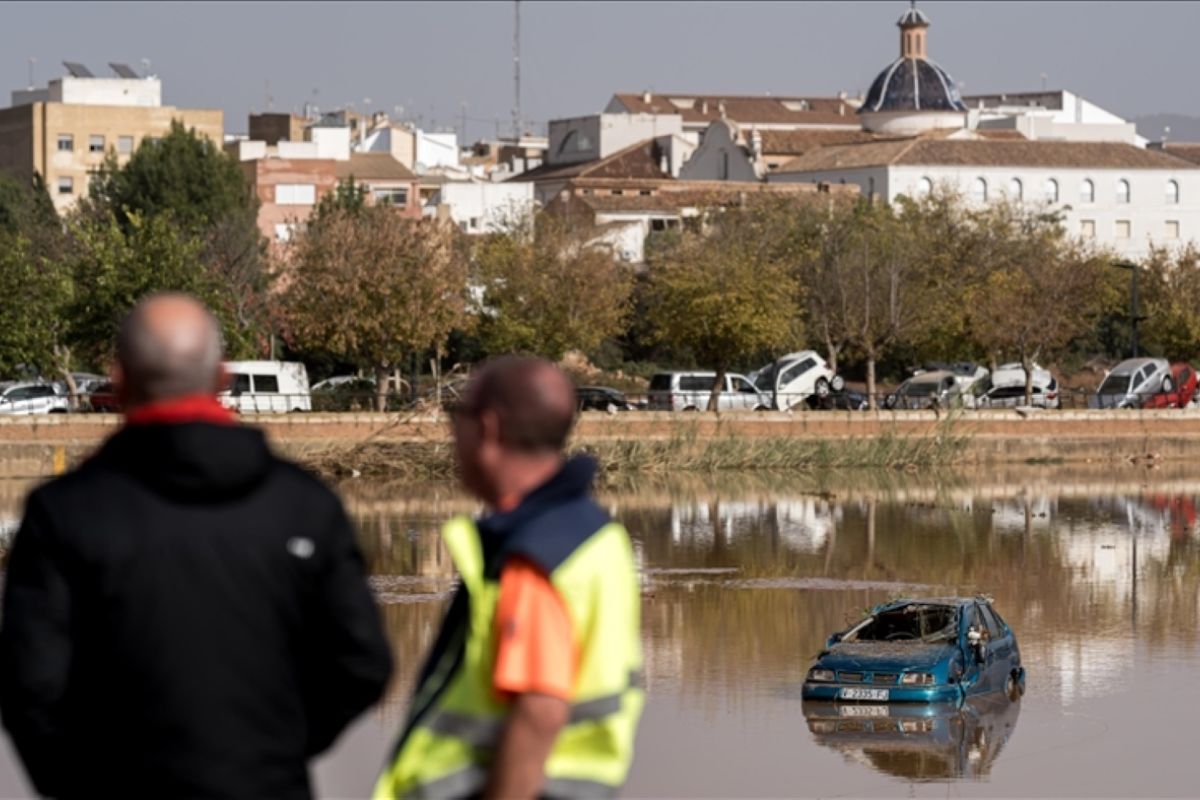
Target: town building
(1077, 161)
(764, 112)
(649, 159)
(480, 206)
(627, 212)
(289, 178)
(64, 132)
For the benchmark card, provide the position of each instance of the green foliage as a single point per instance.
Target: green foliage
(112, 268)
(549, 288)
(181, 174)
(349, 197)
(36, 292)
(1170, 301)
(725, 293)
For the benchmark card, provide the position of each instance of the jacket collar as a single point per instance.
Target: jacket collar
(193, 408)
(571, 482)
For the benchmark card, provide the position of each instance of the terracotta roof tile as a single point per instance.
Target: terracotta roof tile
(372, 167)
(745, 109)
(1188, 151)
(985, 153)
(640, 160)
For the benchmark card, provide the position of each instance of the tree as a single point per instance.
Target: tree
(1040, 295)
(373, 289)
(113, 268)
(36, 291)
(1170, 289)
(202, 190)
(550, 287)
(725, 292)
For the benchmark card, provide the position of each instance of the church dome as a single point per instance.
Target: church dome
(912, 94)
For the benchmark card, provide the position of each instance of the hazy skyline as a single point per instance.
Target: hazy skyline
(1135, 59)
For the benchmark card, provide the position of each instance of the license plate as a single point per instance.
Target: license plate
(852, 693)
(863, 711)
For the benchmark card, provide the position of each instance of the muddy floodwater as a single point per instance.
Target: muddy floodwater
(1097, 570)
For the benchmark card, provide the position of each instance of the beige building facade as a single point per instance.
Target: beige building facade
(67, 142)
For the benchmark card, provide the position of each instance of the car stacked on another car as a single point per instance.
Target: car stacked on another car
(1130, 383)
(796, 378)
(1183, 389)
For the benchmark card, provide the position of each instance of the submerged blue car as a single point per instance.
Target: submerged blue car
(920, 651)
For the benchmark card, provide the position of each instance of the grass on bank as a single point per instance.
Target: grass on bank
(683, 452)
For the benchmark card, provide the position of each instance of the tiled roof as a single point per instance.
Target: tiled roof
(1189, 151)
(743, 109)
(799, 142)
(640, 160)
(372, 167)
(985, 153)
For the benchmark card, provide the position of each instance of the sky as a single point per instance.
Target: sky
(426, 60)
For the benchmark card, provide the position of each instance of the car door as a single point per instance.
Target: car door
(17, 400)
(744, 391)
(266, 394)
(999, 649)
(976, 670)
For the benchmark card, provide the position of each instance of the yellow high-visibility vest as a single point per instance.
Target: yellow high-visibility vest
(448, 749)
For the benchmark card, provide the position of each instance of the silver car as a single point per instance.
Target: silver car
(690, 391)
(33, 398)
(1131, 382)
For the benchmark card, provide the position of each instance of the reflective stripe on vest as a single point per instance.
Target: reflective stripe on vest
(448, 748)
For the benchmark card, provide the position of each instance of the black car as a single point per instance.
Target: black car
(845, 400)
(601, 398)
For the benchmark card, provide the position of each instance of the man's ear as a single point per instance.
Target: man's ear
(489, 426)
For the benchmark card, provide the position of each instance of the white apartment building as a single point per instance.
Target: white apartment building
(480, 206)
(1050, 115)
(1114, 195)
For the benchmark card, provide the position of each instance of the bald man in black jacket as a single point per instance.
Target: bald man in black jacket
(185, 615)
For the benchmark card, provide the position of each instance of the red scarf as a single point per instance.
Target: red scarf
(193, 408)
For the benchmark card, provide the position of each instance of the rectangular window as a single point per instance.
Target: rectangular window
(391, 197)
(295, 194)
(66, 184)
(66, 143)
(1124, 229)
(266, 383)
(1172, 229)
(124, 145)
(1087, 228)
(96, 143)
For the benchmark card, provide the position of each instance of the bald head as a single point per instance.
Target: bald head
(168, 346)
(532, 399)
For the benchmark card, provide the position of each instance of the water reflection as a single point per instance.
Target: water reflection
(1097, 571)
(917, 742)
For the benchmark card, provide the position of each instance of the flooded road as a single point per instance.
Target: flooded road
(1097, 571)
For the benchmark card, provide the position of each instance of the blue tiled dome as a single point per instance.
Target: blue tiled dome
(913, 84)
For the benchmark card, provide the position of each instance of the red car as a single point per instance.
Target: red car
(103, 400)
(1184, 383)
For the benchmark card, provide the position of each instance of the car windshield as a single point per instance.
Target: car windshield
(764, 379)
(1114, 384)
(660, 383)
(912, 623)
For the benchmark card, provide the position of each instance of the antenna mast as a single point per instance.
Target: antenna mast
(516, 120)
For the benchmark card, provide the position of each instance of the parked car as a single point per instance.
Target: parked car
(935, 742)
(1008, 388)
(840, 399)
(102, 399)
(1183, 391)
(1129, 383)
(690, 391)
(794, 378)
(267, 387)
(601, 398)
(922, 651)
(33, 398)
(939, 389)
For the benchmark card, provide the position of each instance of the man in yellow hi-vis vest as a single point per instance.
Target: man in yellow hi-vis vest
(533, 687)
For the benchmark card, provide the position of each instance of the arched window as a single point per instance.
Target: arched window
(1087, 191)
(1122, 191)
(924, 187)
(979, 190)
(1050, 190)
(1016, 191)
(1172, 192)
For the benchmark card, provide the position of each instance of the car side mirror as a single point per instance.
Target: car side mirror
(833, 639)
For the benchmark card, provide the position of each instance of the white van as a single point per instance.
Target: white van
(690, 391)
(266, 387)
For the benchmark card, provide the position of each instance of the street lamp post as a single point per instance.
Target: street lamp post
(1134, 318)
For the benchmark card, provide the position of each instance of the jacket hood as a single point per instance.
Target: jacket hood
(194, 461)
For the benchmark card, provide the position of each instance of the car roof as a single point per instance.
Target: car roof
(947, 602)
(1131, 365)
(930, 377)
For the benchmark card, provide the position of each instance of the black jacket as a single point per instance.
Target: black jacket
(186, 615)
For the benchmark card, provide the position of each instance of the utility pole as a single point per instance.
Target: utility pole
(32, 61)
(516, 121)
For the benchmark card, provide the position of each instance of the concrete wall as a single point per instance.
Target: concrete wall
(577, 139)
(263, 175)
(139, 92)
